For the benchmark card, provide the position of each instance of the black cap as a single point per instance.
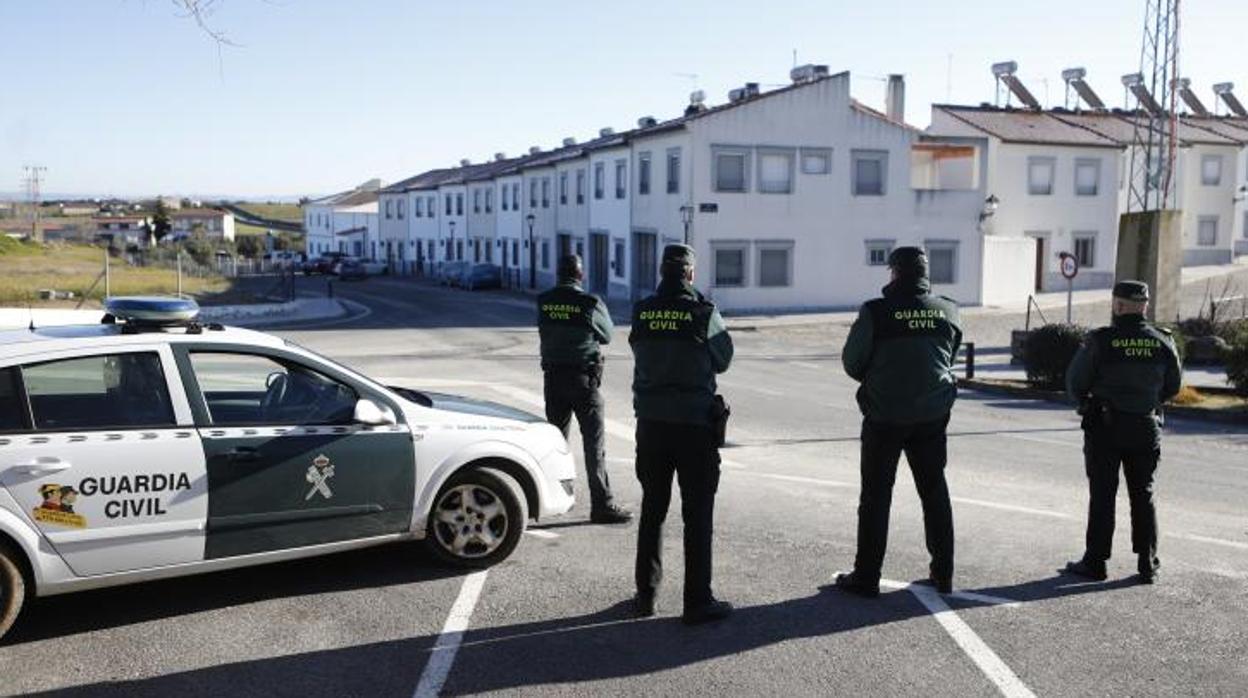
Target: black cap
(1131, 291)
(678, 255)
(569, 266)
(908, 261)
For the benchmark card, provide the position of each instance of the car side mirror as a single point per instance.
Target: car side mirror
(369, 412)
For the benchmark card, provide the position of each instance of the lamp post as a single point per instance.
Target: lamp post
(990, 207)
(450, 243)
(532, 253)
(686, 217)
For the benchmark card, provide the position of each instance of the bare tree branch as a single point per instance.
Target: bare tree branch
(201, 11)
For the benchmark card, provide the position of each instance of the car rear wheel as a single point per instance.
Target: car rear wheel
(12, 589)
(477, 519)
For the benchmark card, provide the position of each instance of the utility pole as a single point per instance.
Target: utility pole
(34, 180)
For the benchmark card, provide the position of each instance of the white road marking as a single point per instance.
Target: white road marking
(540, 533)
(1012, 507)
(975, 648)
(807, 364)
(442, 656)
(985, 599)
(800, 479)
(1040, 440)
(1212, 541)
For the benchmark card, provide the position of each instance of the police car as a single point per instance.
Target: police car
(152, 446)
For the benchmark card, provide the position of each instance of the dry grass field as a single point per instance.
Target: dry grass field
(279, 212)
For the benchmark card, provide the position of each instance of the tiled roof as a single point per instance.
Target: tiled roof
(1227, 128)
(1026, 126)
(352, 197)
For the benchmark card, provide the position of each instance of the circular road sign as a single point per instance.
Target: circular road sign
(1070, 265)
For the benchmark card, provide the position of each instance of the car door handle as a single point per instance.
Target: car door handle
(43, 465)
(243, 454)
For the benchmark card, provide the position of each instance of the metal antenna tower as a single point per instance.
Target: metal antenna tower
(1155, 141)
(34, 179)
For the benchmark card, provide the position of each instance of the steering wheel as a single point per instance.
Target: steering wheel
(275, 394)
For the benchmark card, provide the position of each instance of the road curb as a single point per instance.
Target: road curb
(1053, 396)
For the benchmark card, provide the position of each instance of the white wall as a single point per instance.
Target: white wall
(318, 222)
(657, 213)
(1198, 201)
(610, 217)
(1008, 270)
(457, 216)
(543, 217)
(423, 230)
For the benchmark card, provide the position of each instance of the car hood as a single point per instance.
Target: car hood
(464, 405)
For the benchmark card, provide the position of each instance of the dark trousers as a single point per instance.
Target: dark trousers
(688, 451)
(575, 391)
(924, 446)
(1136, 449)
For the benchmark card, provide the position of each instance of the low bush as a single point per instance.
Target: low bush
(1048, 353)
(1237, 364)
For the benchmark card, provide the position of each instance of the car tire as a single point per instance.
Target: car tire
(491, 498)
(12, 589)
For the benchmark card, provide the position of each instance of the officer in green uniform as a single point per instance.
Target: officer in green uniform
(1120, 377)
(679, 343)
(573, 325)
(901, 349)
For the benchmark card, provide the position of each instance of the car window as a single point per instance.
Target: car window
(12, 403)
(253, 389)
(99, 392)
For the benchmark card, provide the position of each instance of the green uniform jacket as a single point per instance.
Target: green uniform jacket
(902, 348)
(572, 324)
(1131, 365)
(679, 343)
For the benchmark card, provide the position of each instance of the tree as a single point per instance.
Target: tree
(160, 220)
(249, 246)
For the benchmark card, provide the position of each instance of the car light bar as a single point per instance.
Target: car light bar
(152, 310)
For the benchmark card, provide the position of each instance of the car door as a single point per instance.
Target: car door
(287, 465)
(105, 460)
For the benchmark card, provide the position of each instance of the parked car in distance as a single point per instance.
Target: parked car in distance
(453, 273)
(483, 276)
(351, 269)
(323, 264)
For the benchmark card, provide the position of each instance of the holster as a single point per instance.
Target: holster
(1097, 413)
(720, 411)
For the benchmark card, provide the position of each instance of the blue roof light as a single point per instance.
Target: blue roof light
(152, 309)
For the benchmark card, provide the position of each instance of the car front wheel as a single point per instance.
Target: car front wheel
(477, 519)
(12, 589)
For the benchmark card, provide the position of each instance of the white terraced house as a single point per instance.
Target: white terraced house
(346, 222)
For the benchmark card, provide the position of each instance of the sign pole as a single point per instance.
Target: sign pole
(1070, 269)
(1070, 292)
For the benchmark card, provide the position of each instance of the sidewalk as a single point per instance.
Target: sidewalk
(995, 363)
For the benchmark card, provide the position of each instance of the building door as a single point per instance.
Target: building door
(644, 255)
(1039, 263)
(599, 246)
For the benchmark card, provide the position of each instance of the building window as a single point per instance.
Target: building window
(545, 254)
(515, 196)
(619, 258)
(1085, 249)
(816, 161)
(775, 171)
(433, 205)
(775, 264)
(643, 173)
(1207, 231)
(1040, 176)
(1211, 170)
(729, 261)
(532, 193)
(600, 176)
(90, 393)
(419, 208)
(459, 204)
(503, 197)
(489, 200)
(563, 188)
(1087, 177)
(399, 206)
(878, 252)
(515, 252)
(580, 186)
(730, 166)
(870, 172)
(621, 179)
(545, 192)
(673, 171)
(476, 201)
(448, 204)
(389, 205)
(1245, 231)
(942, 262)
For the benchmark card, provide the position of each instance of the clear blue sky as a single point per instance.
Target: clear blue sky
(128, 97)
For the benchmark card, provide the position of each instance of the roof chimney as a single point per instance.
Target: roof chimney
(697, 103)
(1004, 72)
(1134, 82)
(1190, 99)
(895, 98)
(607, 131)
(535, 150)
(499, 157)
(1074, 78)
(569, 141)
(646, 122)
(1223, 90)
(465, 162)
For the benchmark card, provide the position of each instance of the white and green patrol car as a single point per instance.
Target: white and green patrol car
(151, 446)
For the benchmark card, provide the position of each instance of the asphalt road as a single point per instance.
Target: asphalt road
(551, 620)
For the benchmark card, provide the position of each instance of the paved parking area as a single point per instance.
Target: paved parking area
(552, 620)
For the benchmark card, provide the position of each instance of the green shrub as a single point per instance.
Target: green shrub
(1237, 363)
(1048, 353)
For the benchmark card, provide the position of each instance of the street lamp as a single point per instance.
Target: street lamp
(1240, 194)
(450, 243)
(686, 217)
(532, 253)
(990, 207)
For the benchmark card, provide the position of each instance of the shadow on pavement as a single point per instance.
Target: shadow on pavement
(70, 614)
(605, 644)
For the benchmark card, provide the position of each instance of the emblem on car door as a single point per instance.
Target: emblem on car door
(318, 475)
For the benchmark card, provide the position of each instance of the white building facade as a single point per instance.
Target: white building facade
(322, 225)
